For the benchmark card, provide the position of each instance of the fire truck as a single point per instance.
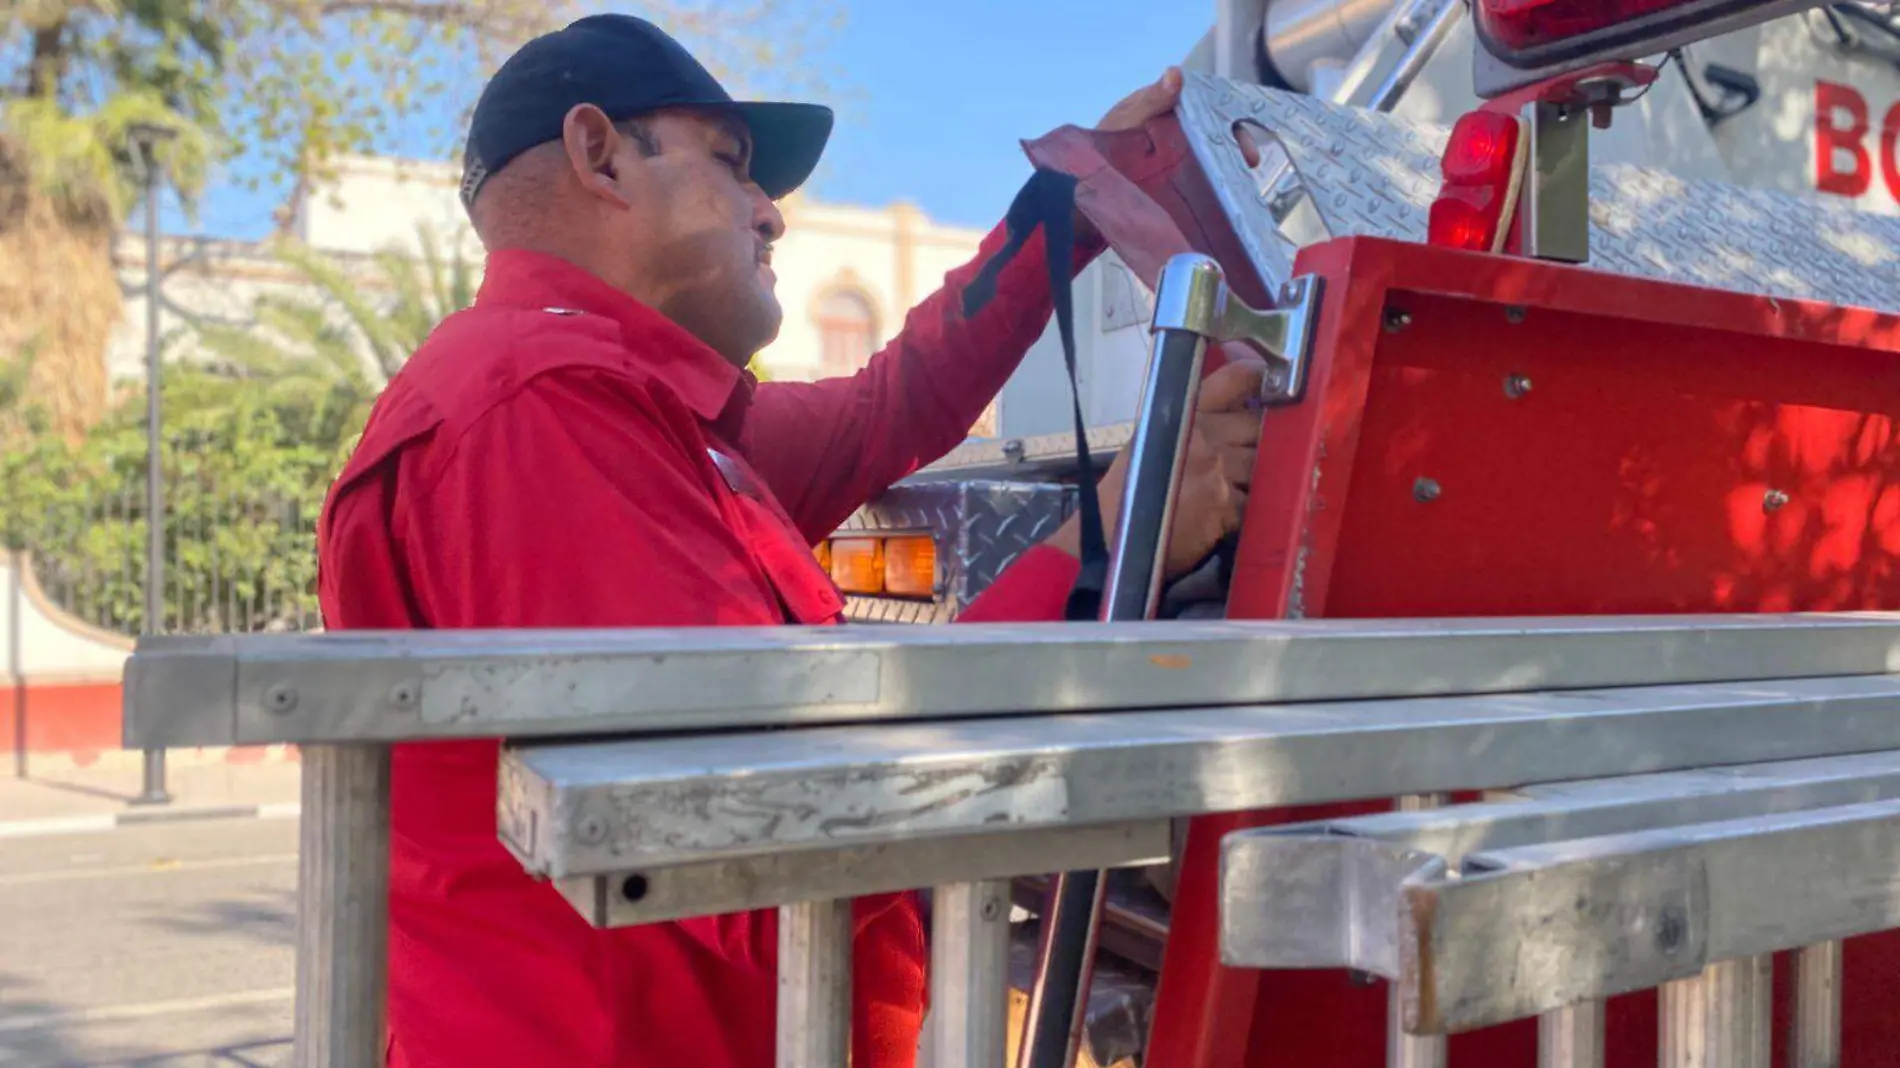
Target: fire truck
(1805, 102)
(1545, 711)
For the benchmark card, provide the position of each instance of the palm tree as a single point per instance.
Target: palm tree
(332, 352)
(14, 374)
(66, 184)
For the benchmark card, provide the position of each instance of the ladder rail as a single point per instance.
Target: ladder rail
(1842, 811)
(442, 684)
(987, 797)
(599, 808)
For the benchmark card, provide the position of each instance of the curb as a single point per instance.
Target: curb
(110, 821)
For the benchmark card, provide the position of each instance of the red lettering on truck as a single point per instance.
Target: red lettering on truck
(1889, 162)
(1831, 141)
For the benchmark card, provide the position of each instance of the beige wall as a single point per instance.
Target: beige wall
(218, 281)
(42, 643)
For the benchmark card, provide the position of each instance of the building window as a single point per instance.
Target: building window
(986, 423)
(847, 332)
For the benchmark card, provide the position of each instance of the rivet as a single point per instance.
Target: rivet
(1671, 928)
(591, 829)
(281, 698)
(1397, 319)
(1515, 386)
(1773, 500)
(403, 695)
(1426, 489)
(1514, 313)
(1013, 450)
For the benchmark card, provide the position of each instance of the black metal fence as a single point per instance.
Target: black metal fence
(233, 560)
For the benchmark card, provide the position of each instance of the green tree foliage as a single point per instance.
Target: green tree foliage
(243, 482)
(13, 375)
(286, 87)
(270, 93)
(257, 422)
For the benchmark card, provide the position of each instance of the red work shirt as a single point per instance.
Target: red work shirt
(560, 455)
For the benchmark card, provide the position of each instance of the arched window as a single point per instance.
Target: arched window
(847, 332)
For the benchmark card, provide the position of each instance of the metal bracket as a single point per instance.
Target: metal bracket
(1557, 195)
(1201, 303)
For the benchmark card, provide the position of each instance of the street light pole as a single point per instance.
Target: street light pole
(146, 138)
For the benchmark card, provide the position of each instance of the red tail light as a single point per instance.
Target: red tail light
(1482, 166)
(1523, 24)
(1548, 31)
(1482, 149)
(1464, 219)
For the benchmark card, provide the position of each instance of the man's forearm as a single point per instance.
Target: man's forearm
(826, 447)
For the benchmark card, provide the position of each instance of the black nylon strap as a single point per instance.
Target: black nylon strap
(1048, 200)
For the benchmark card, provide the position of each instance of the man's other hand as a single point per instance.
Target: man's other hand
(1148, 102)
(1215, 480)
(1151, 101)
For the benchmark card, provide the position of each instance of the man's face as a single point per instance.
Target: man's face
(697, 232)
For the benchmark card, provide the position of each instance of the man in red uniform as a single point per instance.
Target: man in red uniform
(582, 448)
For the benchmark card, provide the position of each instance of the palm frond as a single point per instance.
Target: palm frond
(337, 286)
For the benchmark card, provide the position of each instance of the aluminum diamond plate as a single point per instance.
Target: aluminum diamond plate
(1372, 174)
(1044, 455)
(980, 528)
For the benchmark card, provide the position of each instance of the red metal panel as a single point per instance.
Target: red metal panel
(1677, 450)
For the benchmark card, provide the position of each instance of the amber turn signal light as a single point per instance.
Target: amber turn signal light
(857, 564)
(910, 567)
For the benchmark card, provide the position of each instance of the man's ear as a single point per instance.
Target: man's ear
(593, 150)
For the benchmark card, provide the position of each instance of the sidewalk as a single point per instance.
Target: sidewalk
(61, 797)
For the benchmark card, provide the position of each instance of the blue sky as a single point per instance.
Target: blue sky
(945, 91)
(934, 97)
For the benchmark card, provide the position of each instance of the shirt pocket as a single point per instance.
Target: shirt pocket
(805, 592)
(804, 589)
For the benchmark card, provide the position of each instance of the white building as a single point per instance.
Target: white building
(846, 275)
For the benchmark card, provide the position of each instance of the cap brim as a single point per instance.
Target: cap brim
(787, 140)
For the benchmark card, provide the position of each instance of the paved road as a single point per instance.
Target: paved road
(162, 946)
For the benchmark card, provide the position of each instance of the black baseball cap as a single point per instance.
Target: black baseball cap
(626, 66)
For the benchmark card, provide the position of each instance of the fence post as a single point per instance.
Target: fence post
(154, 792)
(16, 658)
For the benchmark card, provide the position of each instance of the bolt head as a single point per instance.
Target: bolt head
(1516, 386)
(404, 695)
(1426, 489)
(591, 829)
(1396, 320)
(1514, 313)
(281, 698)
(1672, 929)
(1774, 501)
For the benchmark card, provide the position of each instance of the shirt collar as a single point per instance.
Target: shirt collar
(705, 380)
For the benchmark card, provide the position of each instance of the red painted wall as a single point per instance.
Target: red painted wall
(60, 717)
